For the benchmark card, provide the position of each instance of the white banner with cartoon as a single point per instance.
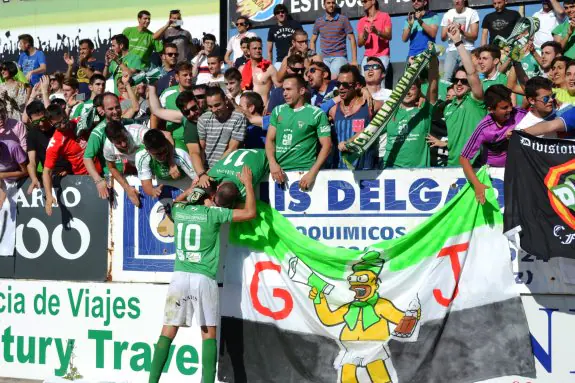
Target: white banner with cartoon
(438, 304)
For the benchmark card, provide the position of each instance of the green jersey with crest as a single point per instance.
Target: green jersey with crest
(227, 168)
(197, 237)
(297, 135)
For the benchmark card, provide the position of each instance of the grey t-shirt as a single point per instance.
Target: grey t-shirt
(218, 134)
(182, 39)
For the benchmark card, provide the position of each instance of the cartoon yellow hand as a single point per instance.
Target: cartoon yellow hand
(313, 293)
(418, 313)
(248, 8)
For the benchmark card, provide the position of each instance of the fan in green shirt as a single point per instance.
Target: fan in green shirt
(293, 135)
(408, 129)
(142, 41)
(197, 239)
(169, 97)
(564, 34)
(467, 108)
(118, 60)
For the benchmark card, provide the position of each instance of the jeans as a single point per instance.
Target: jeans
(451, 63)
(334, 63)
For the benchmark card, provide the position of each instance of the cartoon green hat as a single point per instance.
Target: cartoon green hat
(371, 260)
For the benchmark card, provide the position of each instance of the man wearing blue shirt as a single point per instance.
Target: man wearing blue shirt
(420, 28)
(31, 61)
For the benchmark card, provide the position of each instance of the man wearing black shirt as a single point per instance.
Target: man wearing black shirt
(498, 23)
(281, 34)
(86, 66)
(39, 136)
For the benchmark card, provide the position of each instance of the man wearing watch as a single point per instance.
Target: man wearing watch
(467, 108)
(467, 21)
(374, 33)
(420, 27)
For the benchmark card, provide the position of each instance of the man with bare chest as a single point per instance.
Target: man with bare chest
(258, 74)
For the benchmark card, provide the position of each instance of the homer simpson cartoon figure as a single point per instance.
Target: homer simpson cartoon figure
(366, 322)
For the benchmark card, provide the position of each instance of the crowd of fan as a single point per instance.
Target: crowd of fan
(126, 116)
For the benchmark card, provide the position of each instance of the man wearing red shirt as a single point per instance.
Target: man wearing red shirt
(374, 33)
(63, 144)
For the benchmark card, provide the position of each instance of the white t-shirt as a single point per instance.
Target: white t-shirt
(547, 22)
(466, 18)
(136, 135)
(234, 45)
(204, 75)
(382, 94)
(530, 119)
(181, 159)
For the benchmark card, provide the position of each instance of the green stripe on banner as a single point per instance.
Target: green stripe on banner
(272, 233)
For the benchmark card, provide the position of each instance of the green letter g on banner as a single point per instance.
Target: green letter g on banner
(277, 293)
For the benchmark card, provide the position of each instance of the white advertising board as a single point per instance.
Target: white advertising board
(106, 330)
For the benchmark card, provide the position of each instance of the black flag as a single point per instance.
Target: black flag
(540, 195)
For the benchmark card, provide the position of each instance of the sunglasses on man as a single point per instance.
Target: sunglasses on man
(296, 70)
(280, 13)
(345, 84)
(546, 99)
(369, 67)
(193, 108)
(37, 122)
(462, 81)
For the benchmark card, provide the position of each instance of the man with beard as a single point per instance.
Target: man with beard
(95, 145)
(168, 98)
(293, 135)
(63, 144)
(564, 33)
(187, 115)
(319, 82)
(142, 41)
(258, 74)
(549, 51)
(169, 61)
(467, 109)
(350, 116)
(221, 130)
(87, 66)
(490, 136)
